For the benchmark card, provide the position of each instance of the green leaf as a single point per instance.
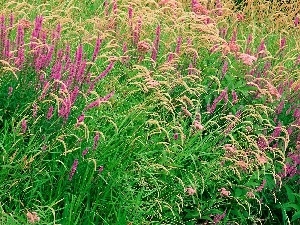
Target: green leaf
(290, 194)
(296, 216)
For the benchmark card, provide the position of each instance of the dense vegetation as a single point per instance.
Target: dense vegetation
(149, 112)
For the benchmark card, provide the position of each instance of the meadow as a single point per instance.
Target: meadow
(149, 112)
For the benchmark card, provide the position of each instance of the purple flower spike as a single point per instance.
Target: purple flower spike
(74, 168)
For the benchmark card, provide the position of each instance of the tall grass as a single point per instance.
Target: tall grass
(146, 112)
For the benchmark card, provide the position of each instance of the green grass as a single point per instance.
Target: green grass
(146, 169)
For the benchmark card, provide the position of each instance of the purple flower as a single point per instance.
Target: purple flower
(85, 152)
(176, 136)
(101, 168)
(97, 102)
(156, 44)
(24, 126)
(80, 120)
(73, 169)
(50, 112)
(96, 140)
(97, 49)
(10, 90)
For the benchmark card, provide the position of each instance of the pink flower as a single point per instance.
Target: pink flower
(50, 113)
(74, 168)
(198, 125)
(85, 152)
(96, 140)
(32, 217)
(247, 59)
(79, 120)
(261, 187)
(240, 16)
(224, 192)
(190, 191)
(24, 126)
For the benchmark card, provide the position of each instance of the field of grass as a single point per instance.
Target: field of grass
(149, 112)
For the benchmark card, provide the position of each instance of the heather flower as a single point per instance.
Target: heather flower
(50, 112)
(262, 143)
(262, 159)
(176, 135)
(97, 102)
(32, 217)
(250, 194)
(137, 30)
(156, 44)
(186, 111)
(219, 217)
(97, 48)
(247, 59)
(223, 95)
(282, 43)
(224, 192)
(34, 110)
(24, 126)
(296, 21)
(96, 140)
(240, 16)
(10, 90)
(73, 169)
(198, 125)
(261, 187)
(80, 119)
(85, 152)
(242, 165)
(224, 69)
(234, 97)
(190, 191)
(101, 168)
(143, 47)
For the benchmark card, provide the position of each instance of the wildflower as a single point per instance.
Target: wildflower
(273, 91)
(240, 16)
(24, 126)
(96, 140)
(25, 24)
(186, 112)
(175, 136)
(224, 69)
(282, 43)
(190, 191)
(32, 217)
(198, 125)
(261, 187)
(10, 90)
(143, 47)
(79, 120)
(74, 168)
(262, 159)
(219, 217)
(247, 59)
(50, 113)
(156, 44)
(262, 143)
(242, 165)
(224, 192)
(250, 194)
(85, 152)
(234, 97)
(97, 102)
(97, 48)
(101, 168)
(296, 21)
